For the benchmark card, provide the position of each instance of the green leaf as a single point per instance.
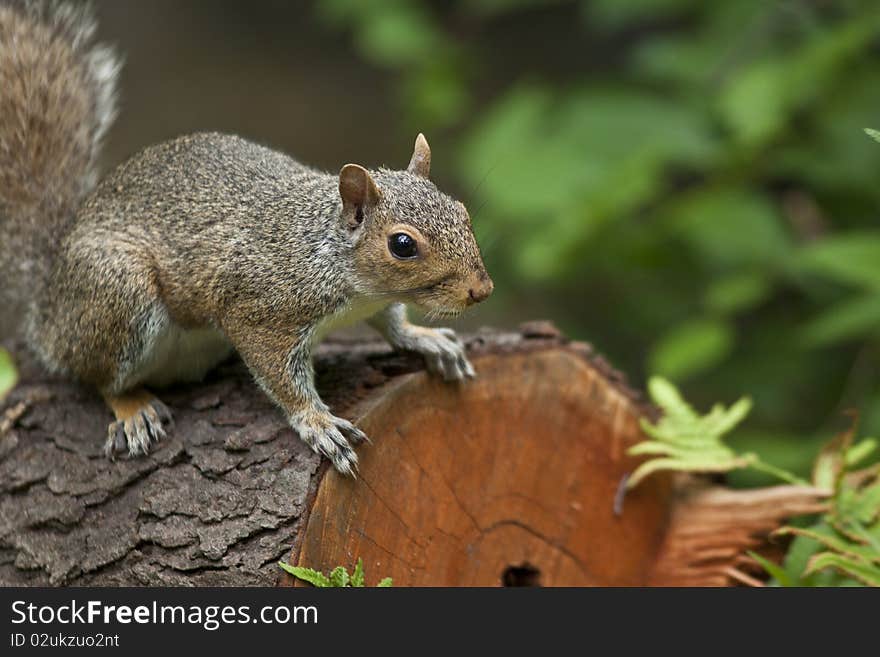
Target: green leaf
(830, 464)
(800, 551)
(848, 320)
(684, 464)
(684, 440)
(856, 514)
(313, 577)
(357, 577)
(339, 577)
(852, 258)
(860, 451)
(566, 165)
(759, 99)
(391, 34)
(437, 94)
(834, 542)
(731, 227)
(874, 134)
(737, 293)
(864, 572)
(8, 375)
(776, 571)
(683, 59)
(788, 450)
(385, 583)
(670, 400)
(755, 103)
(850, 531)
(692, 347)
(836, 158)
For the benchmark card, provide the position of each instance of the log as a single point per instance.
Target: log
(511, 479)
(712, 528)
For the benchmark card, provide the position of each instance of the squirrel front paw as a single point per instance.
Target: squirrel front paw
(329, 436)
(443, 352)
(139, 423)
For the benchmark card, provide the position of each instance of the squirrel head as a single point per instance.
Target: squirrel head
(411, 242)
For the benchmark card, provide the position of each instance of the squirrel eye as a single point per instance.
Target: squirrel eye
(402, 246)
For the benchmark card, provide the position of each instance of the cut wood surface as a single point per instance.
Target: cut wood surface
(509, 479)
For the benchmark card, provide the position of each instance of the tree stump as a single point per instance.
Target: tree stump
(510, 479)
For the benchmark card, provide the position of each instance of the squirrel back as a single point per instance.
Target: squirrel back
(56, 104)
(204, 244)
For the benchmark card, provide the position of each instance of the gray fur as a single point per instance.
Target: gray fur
(210, 242)
(57, 101)
(443, 351)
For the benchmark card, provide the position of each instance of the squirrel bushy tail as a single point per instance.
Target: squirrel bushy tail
(57, 100)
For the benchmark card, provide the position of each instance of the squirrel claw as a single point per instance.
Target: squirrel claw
(444, 354)
(355, 435)
(162, 411)
(136, 432)
(327, 437)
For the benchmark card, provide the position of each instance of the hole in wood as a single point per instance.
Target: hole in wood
(523, 575)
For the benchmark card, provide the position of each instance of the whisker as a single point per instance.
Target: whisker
(483, 179)
(489, 242)
(478, 210)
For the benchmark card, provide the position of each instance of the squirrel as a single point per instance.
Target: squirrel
(203, 245)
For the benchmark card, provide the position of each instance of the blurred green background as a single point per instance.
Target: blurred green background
(686, 184)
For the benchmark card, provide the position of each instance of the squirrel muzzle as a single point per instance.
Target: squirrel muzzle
(480, 289)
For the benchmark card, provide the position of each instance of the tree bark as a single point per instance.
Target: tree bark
(512, 479)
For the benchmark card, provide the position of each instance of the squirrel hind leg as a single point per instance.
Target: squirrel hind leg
(140, 421)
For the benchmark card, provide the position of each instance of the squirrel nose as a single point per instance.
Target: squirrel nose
(482, 291)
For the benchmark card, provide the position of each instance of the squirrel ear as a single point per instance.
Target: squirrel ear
(358, 190)
(420, 163)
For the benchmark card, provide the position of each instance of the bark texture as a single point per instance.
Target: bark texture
(509, 479)
(217, 503)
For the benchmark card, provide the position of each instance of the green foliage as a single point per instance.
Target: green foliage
(857, 569)
(8, 376)
(357, 577)
(690, 187)
(310, 575)
(736, 294)
(852, 259)
(842, 546)
(684, 441)
(338, 577)
(759, 100)
(691, 347)
(849, 319)
(687, 184)
(404, 36)
(776, 571)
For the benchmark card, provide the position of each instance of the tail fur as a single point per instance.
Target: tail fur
(57, 100)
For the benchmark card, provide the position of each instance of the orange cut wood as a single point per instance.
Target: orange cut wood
(512, 474)
(506, 480)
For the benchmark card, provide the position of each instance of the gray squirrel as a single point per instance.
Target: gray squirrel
(203, 245)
